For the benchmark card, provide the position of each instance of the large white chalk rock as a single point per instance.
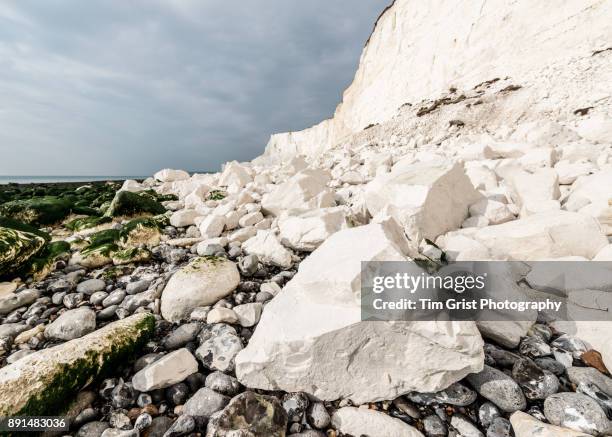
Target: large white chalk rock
(525, 425)
(184, 217)
(268, 248)
(596, 128)
(235, 174)
(550, 234)
(308, 230)
(202, 282)
(311, 338)
(531, 190)
(303, 191)
(132, 186)
(170, 175)
(362, 421)
(595, 193)
(429, 199)
(212, 226)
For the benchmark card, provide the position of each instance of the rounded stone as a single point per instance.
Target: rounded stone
(576, 411)
(535, 382)
(317, 415)
(202, 282)
(499, 388)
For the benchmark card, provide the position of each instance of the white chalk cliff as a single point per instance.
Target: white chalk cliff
(419, 50)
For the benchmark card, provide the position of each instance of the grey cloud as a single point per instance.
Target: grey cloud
(125, 88)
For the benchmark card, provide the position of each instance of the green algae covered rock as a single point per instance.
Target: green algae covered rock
(140, 232)
(16, 248)
(131, 255)
(83, 223)
(40, 265)
(126, 203)
(10, 223)
(94, 256)
(41, 383)
(44, 210)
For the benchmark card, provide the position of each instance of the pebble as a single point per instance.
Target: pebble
(181, 336)
(114, 298)
(58, 298)
(97, 297)
(456, 394)
(107, 313)
(295, 405)
(72, 300)
(221, 315)
(550, 364)
(72, 324)
(144, 399)
(143, 421)
(464, 426)
(317, 415)
(499, 388)
(576, 411)
(159, 426)
(119, 420)
(107, 386)
(223, 383)
(199, 314)
(487, 413)
(500, 427)
(501, 357)
(123, 395)
(91, 286)
(534, 347)
(595, 393)
(248, 265)
(248, 314)
(433, 426)
(590, 375)
(204, 403)
(219, 345)
(570, 344)
(178, 393)
(183, 425)
(137, 286)
(535, 382)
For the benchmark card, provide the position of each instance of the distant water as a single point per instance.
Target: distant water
(47, 179)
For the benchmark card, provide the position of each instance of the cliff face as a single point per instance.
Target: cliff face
(417, 53)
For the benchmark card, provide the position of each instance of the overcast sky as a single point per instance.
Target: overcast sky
(115, 87)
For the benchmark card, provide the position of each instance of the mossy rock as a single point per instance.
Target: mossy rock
(131, 255)
(81, 224)
(16, 248)
(42, 383)
(126, 203)
(140, 232)
(95, 256)
(10, 223)
(45, 210)
(104, 237)
(41, 265)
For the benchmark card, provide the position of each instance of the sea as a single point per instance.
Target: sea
(49, 179)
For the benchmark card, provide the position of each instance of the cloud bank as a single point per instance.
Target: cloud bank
(126, 88)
